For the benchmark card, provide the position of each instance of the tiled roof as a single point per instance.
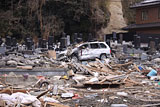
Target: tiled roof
(139, 26)
(146, 3)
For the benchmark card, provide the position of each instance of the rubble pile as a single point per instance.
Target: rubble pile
(113, 82)
(19, 60)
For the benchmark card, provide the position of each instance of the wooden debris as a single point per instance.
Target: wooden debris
(42, 94)
(70, 73)
(10, 91)
(113, 78)
(135, 66)
(107, 64)
(123, 65)
(52, 54)
(25, 67)
(128, 80)
(102, 85)
(88, 70)
(55, 105)
(2, 103)
(151, 105)
(100, 70)
(101, 63)
(82, 68)
(104, 67)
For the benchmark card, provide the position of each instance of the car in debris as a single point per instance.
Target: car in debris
(87, 51)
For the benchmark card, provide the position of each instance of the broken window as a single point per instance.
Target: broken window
(103, 45)
(145, 15)
(94, 46)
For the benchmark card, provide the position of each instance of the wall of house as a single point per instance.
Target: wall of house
(152, 15)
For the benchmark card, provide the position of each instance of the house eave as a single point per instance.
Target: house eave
(139, 5)
(142, 26)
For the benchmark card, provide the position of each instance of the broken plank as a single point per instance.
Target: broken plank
(80, 67)
(131, 81)
(10, 91)
(113, 78)
(135, 66)
(2, 103)
(151, 101)
(56, 105)
(52, 54)
(122, 65)
(151, 105)
(42, 94)
(102, 85)
(88, 70)
(101, 63)
(100, 70)
(25, 67)
(107, 64)
(78, 86)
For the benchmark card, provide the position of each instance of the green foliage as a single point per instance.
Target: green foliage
(129, 14)
(51, 17)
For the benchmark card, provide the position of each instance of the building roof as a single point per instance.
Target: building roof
(146, 3)
(140, 26)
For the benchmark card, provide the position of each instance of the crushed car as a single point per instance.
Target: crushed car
(86, 51)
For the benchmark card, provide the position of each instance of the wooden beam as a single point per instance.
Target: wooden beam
(56, 105)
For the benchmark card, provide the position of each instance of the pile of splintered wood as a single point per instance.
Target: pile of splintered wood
(98, 73)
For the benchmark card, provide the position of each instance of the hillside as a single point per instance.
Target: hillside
(41, 18)
(117, 20)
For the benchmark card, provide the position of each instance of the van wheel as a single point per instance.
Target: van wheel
(74, 59)
(103, 56)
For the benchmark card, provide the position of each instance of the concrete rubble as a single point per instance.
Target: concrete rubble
(36, 60)
(122, 80)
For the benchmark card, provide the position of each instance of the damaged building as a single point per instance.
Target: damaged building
(147, 24)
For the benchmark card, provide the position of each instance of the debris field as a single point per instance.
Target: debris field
(122, 80)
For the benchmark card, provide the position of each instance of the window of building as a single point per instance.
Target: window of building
(145, 15)
(159, 13)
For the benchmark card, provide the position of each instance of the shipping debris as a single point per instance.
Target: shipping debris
(119, 80)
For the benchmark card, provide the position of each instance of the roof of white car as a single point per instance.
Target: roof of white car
(93, 42)
(90, 42)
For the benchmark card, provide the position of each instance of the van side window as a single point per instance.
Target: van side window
(94, 45)
(103, 45)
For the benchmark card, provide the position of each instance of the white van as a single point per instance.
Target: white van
(89, 50)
